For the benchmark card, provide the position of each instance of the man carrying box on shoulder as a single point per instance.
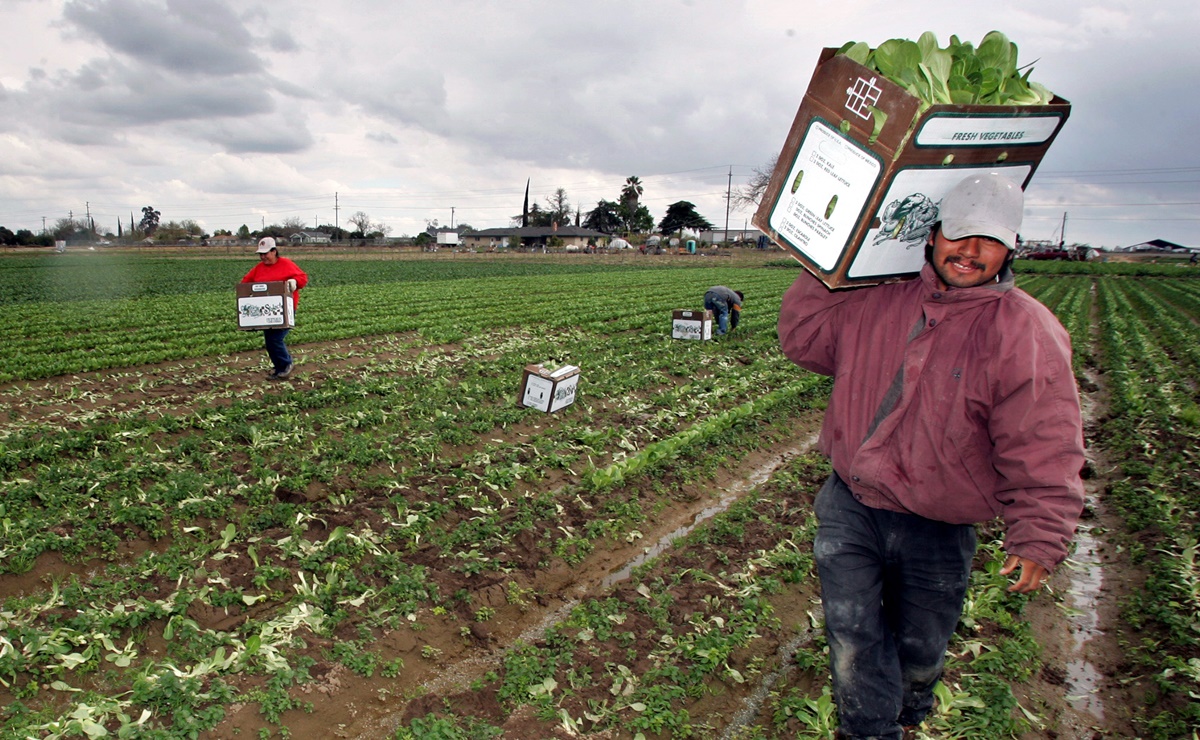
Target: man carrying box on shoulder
(953, 403)
(273, 268)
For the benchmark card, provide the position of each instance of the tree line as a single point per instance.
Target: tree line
(623, 216)
(151, 226)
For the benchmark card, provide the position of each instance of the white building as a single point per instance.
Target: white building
(309, 237)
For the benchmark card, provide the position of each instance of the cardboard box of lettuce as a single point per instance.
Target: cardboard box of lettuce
(883, 133)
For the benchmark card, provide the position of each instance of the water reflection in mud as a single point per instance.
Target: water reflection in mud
(1086, 578)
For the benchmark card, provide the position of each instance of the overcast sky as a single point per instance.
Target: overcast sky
(233, 112)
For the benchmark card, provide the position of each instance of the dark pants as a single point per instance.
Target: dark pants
(892, 586)
(276, 349)
(720, 310)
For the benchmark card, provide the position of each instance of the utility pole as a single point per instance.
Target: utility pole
(1062, 234)
(451, 217)
(336, 225)
(728, 200)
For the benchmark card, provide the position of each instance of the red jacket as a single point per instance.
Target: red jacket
(283, 269)
(978, 404)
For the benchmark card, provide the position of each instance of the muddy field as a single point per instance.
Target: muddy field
(387, 546)
(1080, 690)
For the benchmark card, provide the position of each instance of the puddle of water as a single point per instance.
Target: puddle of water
(1082, 674)
(1086, 579)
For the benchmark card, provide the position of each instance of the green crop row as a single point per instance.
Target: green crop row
(353, 499)
(47, 338)
(119, 276)
(1147, 332)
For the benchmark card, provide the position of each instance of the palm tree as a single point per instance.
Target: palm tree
(631, 192)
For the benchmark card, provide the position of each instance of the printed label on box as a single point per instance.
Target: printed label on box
(824, 194)
(537, 392)
(907, 215)
(268, 311)
(688, 324)
(691, 329)
(974, 131)
(564, 393)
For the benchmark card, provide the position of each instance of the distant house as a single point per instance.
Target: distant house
(309, 237)
(717, 236)
(572, 237)
(1157, 245)
(223, 240)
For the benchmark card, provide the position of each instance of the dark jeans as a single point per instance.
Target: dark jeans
(892, 586)
(276, 349)
(720, 309)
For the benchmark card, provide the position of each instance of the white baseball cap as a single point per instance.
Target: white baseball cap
(266, 244)
(983, 204)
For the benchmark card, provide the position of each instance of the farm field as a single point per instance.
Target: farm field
(388, 546)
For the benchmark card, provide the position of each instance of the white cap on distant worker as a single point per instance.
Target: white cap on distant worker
(266, 244)
(983, 204)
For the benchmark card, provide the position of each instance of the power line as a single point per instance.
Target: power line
(1110, 205)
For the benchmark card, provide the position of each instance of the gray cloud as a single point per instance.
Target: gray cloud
(468, 95)
(188, 37)
(256, 135)
(169, 64)
(382, 137)
(108, 93)
(401, 95)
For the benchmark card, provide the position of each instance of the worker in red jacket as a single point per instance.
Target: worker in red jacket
(271, 268)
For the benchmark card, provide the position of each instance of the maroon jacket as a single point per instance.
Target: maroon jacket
(957, 405)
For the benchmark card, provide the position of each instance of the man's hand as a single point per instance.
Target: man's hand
(291, 285)
(1032, 574)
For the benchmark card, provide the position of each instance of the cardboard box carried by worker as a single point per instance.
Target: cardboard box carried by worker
(265, 306)
(854, 201)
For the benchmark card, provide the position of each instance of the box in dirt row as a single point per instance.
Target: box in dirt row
(855, 204)
(691, 324)
(548, 390)
(265, 306)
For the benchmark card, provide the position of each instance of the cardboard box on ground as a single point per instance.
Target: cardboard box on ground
(855, 205)
(687, 324)
(265, 306)
(548, 390)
